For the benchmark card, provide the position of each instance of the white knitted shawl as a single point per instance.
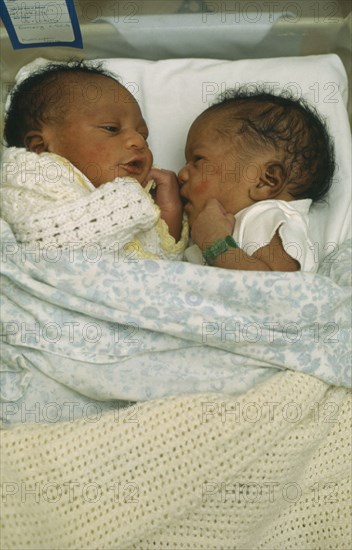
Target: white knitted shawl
(47, 201)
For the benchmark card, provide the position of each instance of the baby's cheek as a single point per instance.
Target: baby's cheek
(209, 170)
(97, 164)
(201, 187)
(201, 184)
(102, 157)
(97, 152)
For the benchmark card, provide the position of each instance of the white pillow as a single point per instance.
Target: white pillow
(173, 92)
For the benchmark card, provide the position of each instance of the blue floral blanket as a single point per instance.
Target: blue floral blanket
(83, 332)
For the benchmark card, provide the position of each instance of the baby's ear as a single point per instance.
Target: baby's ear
(34, 142)
(270, 183)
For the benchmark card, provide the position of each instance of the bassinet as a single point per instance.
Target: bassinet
(210, 456)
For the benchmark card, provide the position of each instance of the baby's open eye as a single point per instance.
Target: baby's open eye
(109, 128)
(144, 134)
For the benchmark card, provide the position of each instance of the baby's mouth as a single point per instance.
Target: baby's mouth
(185, 201)
(134, 167)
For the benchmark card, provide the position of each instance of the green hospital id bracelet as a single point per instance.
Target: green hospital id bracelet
(219, 247)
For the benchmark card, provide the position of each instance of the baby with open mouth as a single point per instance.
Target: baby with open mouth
(78, 167)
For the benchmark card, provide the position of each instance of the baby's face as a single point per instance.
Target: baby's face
(218, 166)
(103, 132)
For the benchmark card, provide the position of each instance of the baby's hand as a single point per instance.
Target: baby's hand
(167, 197)
(211, 224)
(167, 194)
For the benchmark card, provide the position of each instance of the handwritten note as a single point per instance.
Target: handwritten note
(41, 23)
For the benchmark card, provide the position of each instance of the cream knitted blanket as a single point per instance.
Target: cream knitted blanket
(270, 469)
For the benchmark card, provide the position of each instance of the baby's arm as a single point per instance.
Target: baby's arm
(167, 197)
(215, 223)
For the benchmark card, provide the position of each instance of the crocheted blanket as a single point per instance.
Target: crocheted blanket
(81, 332)
(267, 470)
(50, 204)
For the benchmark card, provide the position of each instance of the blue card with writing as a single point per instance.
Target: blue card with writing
(41, 23)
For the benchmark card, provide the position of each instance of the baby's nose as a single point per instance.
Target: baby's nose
(182, 175)
(136, 140)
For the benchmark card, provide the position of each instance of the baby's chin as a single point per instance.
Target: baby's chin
(142, 179)
(190, 213)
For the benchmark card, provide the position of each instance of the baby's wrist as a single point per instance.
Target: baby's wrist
(206, 241)
(172, 208)
(217, 248)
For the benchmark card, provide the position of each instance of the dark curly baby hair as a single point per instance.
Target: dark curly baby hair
(289, 125)
(38, 98)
